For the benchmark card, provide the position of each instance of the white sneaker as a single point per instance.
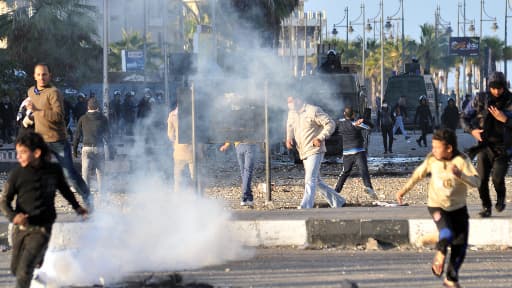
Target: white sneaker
(247, 203)
(371, 193)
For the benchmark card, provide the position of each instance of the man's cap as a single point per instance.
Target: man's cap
(423, 97)
(384, 105)
(497, 80)
(117, 92)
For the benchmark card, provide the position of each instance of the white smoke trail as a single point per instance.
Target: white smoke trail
(157, 230)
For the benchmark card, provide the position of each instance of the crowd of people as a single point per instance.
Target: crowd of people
(43, 123)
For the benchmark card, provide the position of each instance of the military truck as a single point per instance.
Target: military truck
(412, 85)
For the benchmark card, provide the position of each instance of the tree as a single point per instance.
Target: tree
(61, 33)
(264, 15)
(133, 41)
(428, 49)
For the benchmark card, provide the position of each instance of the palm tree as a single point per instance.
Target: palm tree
(61, 33)
(496, 48)
(132, 41)
(428, 49)
(266, 15)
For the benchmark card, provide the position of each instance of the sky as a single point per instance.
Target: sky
(416, 13)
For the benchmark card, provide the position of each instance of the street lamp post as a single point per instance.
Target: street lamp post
(446, 25)
(369, 29)
(494, 27)
(388, 27)
(338, 25)
(350, 29)
(507, 6)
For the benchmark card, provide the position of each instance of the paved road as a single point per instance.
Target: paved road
(284, 267)
(329, 268)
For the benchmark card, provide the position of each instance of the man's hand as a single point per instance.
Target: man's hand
(224, 147)
(498, 114)
(317, 142)
(20, 219)
(30, 106)
(289, 144)
(359, 122)
(477, 134)
(75, 154)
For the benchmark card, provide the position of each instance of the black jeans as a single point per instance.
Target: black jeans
(348, 164)
(387, 135)
(28, 249)
(497, 163)
(453, 227)
(424, 127)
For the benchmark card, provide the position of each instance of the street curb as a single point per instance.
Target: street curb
(318, 232)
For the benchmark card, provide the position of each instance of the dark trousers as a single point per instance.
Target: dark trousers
(497, 163)
(348, 164)
(387, 135)
(424, 127)
(453, 227)
(29, 247)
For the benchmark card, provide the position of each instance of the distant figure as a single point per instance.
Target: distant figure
(182, 155)
(466, 101)
(450, 116)
(80, 107)
(400, 114)
(246, 156)
(93, 130)
(386, 127)
(115, 112)
(332, 64)
(7, 120)
(451, 174)
(33, 186)
(308, 126)
(129, 109)
(353, 150)
(423, 119)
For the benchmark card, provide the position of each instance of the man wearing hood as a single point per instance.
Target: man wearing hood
(93, 129)
(488, 118)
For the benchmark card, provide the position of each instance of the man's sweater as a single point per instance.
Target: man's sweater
(48, 113)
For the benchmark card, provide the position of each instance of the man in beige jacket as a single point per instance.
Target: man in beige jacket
(309, 126)
(182, 153)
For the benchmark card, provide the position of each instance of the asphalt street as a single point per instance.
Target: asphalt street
(283, 267)
(286, 267)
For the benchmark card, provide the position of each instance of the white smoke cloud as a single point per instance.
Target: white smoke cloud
(155, 230)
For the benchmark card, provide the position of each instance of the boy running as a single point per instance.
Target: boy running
(33, 184)
(452, 173)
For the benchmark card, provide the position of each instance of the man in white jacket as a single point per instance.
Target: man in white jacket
(308, 126)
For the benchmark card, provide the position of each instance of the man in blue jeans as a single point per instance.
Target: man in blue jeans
(246, 155)
(307, 127)
(47, 106)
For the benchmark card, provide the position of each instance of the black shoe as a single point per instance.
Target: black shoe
(419, 142)
(386, 152)
(500, 206)
(390, 151)
(485, 213)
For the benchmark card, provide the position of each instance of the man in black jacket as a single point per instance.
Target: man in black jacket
(353, 150)
(488, 117)
(93, 127)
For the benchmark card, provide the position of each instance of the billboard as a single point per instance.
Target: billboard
(465, 46)
(132, 61)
